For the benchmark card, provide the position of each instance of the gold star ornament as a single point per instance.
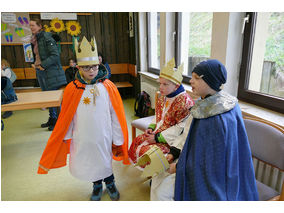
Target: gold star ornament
(86, 100)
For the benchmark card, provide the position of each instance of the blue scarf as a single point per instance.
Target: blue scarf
(178, 91)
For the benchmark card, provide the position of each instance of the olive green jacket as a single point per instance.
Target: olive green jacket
(50, 61)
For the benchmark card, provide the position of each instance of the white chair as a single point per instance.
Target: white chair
(141, 124)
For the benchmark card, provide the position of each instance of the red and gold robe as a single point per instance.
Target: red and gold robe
(169, 113)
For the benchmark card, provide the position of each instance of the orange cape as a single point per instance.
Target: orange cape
(56, 150)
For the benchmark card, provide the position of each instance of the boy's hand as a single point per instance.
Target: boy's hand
(150, 139)
(172, 168)
(40, 67)
(148, 132)
(117, 150)
(170, 158)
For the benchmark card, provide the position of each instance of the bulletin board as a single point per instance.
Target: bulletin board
(15, 28)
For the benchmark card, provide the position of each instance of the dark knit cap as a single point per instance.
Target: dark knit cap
(213, 72)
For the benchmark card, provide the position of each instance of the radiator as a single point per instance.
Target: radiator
(151, 90)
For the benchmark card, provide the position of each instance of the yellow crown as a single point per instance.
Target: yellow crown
(171, 73)
(86, 52)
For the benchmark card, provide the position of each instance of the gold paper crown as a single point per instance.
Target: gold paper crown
(171, 73)
(86, 52)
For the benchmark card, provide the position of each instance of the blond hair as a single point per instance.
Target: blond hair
(5, 62)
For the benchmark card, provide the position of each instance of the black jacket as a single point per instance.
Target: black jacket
(70, 74)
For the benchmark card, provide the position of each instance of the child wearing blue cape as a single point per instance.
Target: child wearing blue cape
(215, 163)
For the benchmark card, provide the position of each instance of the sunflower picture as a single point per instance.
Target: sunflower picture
(57, 25)
(46, 28)
(73, 28)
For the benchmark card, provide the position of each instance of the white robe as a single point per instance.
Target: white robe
(93, 130)
(163, 185)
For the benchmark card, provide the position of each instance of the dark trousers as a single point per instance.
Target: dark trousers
(41, 75)
(106, 180)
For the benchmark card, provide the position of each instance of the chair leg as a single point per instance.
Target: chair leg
(282, 193)
(133, 133)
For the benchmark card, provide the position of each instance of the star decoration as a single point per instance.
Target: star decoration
(86, 100)
(167, 104)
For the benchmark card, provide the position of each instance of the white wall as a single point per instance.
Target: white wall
(167, 23)
(219, 40)
(234, 52)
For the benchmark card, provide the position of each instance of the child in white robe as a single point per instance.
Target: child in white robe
(91, 125)
(91, 146)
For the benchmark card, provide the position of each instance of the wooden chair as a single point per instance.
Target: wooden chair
(267, 147)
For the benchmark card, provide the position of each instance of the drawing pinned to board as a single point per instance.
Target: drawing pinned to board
(9, 37)
(3, 27)
(20, 20)
(28, 52)
(20, 32)
(23, 20)
(15, 28)
(26, 20)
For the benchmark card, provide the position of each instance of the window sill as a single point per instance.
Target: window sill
(262, 113)
(149, 75)
(253, 110)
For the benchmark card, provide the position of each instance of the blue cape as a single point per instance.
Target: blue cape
(216, 163)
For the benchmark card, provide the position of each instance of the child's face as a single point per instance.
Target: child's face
(167, 87)
(100, 59)
(72, 63)
(89, 72)
(199, 86)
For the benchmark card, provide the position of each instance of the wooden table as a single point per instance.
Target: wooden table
(34, 100)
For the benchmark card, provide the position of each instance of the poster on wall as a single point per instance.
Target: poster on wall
(15, 28)
(28, 52)
(61, 16)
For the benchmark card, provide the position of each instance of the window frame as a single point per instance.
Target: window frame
(186, 78)
(176, 49)
(150, 69)
(261, 99)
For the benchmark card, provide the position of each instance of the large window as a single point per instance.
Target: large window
(195, 31)
(154, 41)
(192, 35)
(262, 69)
